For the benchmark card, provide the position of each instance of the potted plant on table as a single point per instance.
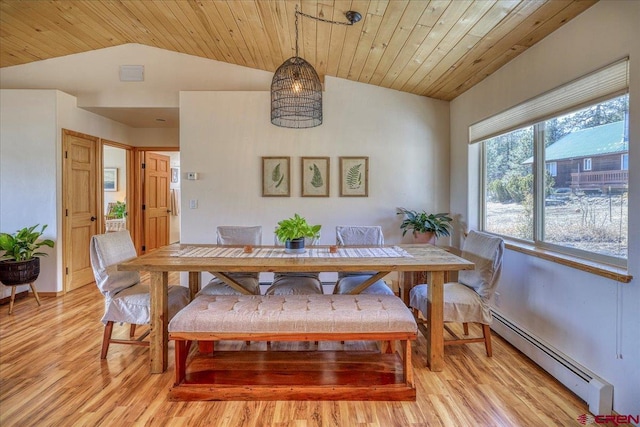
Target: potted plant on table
(426, 228)
(20, 262)
(292, 232)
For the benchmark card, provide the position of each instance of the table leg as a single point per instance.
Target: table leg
(435, 314)
(195, 278)
(159, 346)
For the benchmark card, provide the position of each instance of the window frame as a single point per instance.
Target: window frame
(587, 164)
(539, 173)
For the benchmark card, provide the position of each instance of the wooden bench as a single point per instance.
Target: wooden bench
(294, 375)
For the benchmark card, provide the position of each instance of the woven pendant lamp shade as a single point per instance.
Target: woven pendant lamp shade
(296, 95)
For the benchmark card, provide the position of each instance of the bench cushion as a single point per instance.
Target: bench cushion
(294, 313)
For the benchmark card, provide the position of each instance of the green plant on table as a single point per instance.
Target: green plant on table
(295, 228)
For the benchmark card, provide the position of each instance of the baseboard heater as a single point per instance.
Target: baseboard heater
(588, 386)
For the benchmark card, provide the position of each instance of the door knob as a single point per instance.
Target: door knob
(93, 218)
(168, 210)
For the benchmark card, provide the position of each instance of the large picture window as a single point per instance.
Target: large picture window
(560, 182)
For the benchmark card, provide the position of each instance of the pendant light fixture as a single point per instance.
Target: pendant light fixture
(296, 91)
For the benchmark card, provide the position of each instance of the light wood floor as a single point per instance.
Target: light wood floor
(51, 375)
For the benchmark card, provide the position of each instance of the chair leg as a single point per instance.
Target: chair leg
(106, 339)
(465, 328)
(132, 330)
(35, 293)
(486, 332)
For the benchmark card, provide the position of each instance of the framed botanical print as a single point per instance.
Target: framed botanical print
(315, 176)
(354, 176)
(276, 177)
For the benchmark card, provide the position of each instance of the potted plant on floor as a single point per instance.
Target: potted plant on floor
(292, 232)
(426, 228)
(20, 262)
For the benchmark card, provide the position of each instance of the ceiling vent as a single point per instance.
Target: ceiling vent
(132, 73)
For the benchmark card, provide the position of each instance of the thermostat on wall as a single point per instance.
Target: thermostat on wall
(192, 175)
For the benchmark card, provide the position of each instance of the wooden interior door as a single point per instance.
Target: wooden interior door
(80, 205)
(155, 205)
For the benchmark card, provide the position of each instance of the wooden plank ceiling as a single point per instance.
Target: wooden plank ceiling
(437, 48)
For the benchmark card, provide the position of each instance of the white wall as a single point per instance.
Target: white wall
(592, 319)
(28, 167)
(223, 136)
(155, 137)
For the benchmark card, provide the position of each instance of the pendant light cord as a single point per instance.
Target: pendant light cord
(297, 30)
(352, 17)
(351, 20)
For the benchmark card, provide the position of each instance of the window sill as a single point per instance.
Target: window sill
(612, 272)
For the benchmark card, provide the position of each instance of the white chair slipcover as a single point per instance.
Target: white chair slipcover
(360, 236)
(294, 283)
(126, 300)
(467, 300)
(235, 236)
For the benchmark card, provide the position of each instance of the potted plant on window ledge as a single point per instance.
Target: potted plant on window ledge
(293, 231)
(426, 228)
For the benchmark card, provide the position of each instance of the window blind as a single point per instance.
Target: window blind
(606, 82)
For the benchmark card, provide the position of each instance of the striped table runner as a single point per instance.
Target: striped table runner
(321, 252)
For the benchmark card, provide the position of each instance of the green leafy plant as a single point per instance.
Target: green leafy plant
(119, 209)
(421, 222)
(22, 245)
(295, 228)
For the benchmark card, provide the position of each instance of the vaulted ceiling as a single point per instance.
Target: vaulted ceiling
(437, 48)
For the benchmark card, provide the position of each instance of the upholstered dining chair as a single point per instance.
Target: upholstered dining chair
(126, 300)
(235, 236)
(296, 283)
(360, 236)
(467, 300)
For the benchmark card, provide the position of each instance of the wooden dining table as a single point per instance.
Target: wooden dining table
(433, 262)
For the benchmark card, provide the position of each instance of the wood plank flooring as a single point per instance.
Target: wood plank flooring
(51, 375)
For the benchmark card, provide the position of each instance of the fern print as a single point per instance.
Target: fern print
(354, 177)
(316, 180)
(277, 176)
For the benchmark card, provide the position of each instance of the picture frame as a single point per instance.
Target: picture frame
(276, 176)
(175, 175)
(110, 179)
(315, 176)
(354, 176)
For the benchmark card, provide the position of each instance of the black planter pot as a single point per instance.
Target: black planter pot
(14, 273)
(295, 246)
